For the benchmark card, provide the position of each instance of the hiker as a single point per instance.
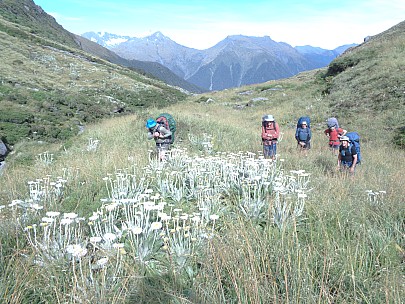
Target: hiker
(334, 133)
(270, 135)
(161, 135)
(347, 158)
(303, 134)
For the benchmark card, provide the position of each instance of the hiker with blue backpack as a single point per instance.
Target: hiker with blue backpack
(303, 133)
(349, 152)
(161, 135)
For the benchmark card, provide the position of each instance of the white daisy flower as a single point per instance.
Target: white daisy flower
(70, 215)
(214, 217)
(109, 237)
(52, 213)
(101, 262)
(156, 225)
(95, 239)
(66, 221)
(136, 230)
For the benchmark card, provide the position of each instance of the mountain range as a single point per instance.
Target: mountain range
(53, 83)
(233, 62)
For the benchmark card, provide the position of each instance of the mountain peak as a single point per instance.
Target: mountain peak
(157, 36)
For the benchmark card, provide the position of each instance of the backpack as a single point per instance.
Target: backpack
(166, 120)
(271, 130)
(354, 138)
(302, 134)
(332, 122)
(302, 119)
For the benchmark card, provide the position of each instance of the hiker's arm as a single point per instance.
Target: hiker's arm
(354, 163)
(343, 132)
(165, 133)
(150, 134)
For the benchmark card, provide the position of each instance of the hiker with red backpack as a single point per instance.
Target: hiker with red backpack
(161, 135)
(270, 135)
(333, 132)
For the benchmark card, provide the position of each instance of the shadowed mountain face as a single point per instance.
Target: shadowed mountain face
(234, 62)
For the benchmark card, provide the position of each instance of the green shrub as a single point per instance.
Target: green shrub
(340, 65)
(16, 117)
(14, 132)
(399, 137)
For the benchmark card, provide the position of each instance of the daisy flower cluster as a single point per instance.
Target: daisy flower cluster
(376, 197)
(162, 217)
(45, 158)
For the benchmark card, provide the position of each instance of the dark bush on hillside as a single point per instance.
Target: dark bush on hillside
(14, 132)
(202, 99)
(16, 117)
(340, 65)
(399, 137)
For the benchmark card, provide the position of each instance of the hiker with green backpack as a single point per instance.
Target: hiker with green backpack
(162, 131)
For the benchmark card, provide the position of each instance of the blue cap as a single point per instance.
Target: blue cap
(150, 123)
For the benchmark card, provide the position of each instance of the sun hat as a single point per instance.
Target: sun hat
(344, 138)
(268, 118)
(150, 123)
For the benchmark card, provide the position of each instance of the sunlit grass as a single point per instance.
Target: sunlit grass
(343, 245)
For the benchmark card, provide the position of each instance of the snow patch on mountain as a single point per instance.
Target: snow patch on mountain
(115, 41)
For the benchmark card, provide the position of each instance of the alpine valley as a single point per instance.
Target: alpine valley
(233, 62)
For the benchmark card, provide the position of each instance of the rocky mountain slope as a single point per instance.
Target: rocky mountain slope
(27, 13)
(234, 62)
(50, 88)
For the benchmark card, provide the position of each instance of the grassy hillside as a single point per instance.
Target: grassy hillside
(368, 83)
(347, 246)
(90, 218)
(49, 90)
(242, 230)
(32, 17)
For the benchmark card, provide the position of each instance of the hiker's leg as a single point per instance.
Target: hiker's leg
(273, 150)
(159, 153)
(335, 149)
(266, 151)
(163, 150)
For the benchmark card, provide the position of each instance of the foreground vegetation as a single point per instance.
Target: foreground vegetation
(346, 246)
(91, 218)
(51, 91)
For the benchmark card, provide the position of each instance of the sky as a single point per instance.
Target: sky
(201, 24)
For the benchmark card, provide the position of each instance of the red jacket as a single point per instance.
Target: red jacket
(334, 135)
(270, 133)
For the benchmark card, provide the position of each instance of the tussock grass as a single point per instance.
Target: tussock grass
(347, 249)
(348, 246)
